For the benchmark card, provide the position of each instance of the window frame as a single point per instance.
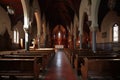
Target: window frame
(113, 32)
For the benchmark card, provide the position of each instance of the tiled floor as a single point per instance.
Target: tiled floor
(60, 68)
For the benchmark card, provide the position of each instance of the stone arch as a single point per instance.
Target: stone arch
(82, 10)
(25, 12)
(37, 16)
(62, 40)
(94, 12)
(34, 9)
(76, 23)
(37, 13)
(86, 31)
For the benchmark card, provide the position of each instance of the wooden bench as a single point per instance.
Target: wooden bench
(97, 64)
(43, 57)
(103, 68)
(20, 66)
(47, 55)
(73, 53)
(69, 53)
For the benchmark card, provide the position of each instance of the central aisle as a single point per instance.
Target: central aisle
(60, 68)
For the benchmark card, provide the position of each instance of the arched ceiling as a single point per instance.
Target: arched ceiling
(59, 28)
(16, 6)
(55, 11)
(59, 11)
(104, 9)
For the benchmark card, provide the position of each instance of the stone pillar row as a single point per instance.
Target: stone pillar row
(93, 30)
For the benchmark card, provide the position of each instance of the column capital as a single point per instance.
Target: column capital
(38, 35)
(26, 30)
(93, 28)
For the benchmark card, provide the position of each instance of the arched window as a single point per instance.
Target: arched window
(59, 35)
(14, 32)
(16, 36)
(115, 33)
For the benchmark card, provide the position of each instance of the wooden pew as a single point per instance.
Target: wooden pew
(20, 66)
(73, 53)
(69, 53)
(89, 53)
(97, 64)
(103, 68)
(44, 55)
(47, 55)
(77, 60)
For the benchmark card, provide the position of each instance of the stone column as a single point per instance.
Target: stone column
(80, 41)
(93, 30)
(74, 42)
(38, 40)
(26, 39)
(94, 41)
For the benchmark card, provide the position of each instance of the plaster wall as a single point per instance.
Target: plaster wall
(5, 23)
(105, 35)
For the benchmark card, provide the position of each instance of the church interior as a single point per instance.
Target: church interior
(59, 39)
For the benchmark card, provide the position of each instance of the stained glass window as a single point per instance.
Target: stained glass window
(16, 36)
(115, 33)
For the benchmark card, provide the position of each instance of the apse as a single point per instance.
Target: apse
(59, 35)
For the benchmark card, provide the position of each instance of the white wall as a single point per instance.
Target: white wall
(5, 22)
(109, 20)
(19, 27)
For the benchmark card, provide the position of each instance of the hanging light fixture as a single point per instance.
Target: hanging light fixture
(10, 10)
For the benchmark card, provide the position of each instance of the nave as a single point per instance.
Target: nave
(60, 68)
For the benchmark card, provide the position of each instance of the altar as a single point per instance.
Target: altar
(59, 46)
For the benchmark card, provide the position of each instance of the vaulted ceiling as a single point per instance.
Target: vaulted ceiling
(55, 11)
(60, 11)
(16, 6)
(104, 9)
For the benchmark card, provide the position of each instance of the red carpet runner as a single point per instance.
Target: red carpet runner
(60, 68)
